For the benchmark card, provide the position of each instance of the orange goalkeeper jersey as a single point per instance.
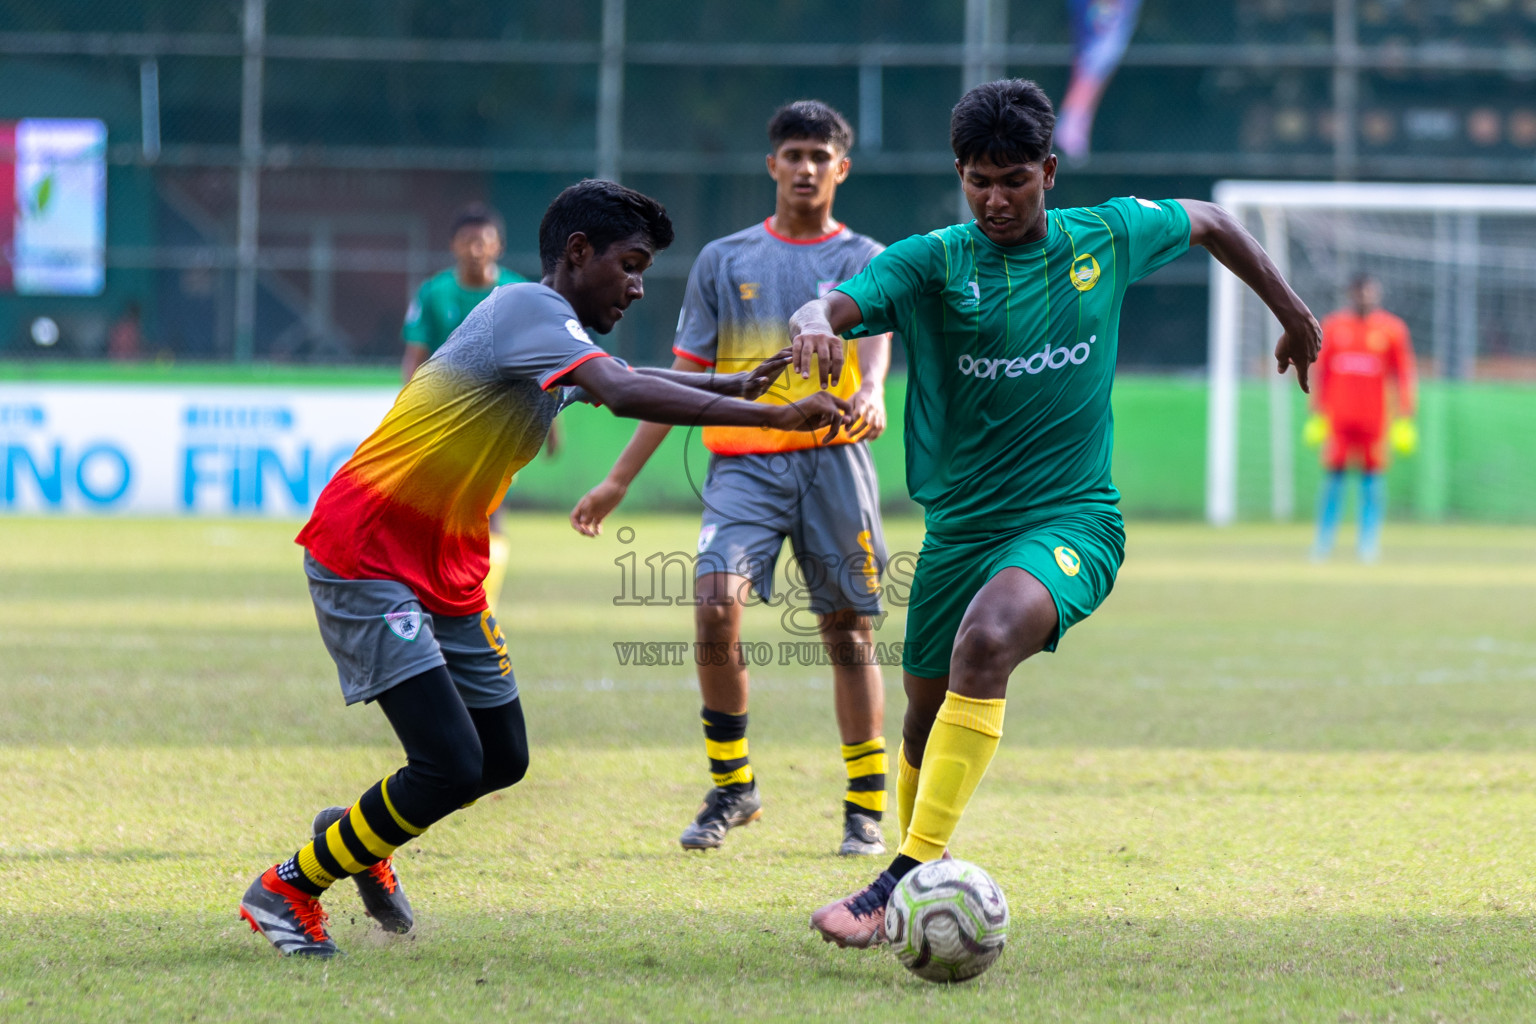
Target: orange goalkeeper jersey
(1360, 355)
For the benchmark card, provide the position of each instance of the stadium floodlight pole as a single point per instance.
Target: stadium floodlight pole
(871, 106)
(986, 29)
(1221, 419)
(1463, 362)
(986, 34)
(1346, 89)
(610, 91)
(249, 181)
(1282, 464)
(149, 109)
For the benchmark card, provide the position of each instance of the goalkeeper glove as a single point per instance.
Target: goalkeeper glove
(1315, 431)
(1405, 437)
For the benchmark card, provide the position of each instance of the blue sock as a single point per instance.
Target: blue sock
(1328, 513)
(1372, 511)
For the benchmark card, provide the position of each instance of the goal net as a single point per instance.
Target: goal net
(1458, 264)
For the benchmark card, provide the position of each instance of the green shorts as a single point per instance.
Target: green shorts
(1075, 555)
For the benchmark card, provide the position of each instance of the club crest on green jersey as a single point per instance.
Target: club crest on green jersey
(1067, 560)
(1085, 272)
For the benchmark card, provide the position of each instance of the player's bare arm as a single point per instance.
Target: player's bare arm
(598, 503)
(815, 332)
(868, 402)
(658, 400)
(749, 384)
(1225, 238)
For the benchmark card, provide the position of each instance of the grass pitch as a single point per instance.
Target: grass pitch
(1248, 789)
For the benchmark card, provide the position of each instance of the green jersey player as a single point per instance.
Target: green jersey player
(477, 239)
(1012, 324)
(445, 299)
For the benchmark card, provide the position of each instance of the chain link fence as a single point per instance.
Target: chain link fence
(279, 174)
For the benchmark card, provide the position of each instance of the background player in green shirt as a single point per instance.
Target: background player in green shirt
(477, 240)
(1011, 324)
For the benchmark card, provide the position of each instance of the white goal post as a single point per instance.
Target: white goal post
(1462, 256)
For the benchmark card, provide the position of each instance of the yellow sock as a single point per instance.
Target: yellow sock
(906, 792)
(496, 575)
(961, 745)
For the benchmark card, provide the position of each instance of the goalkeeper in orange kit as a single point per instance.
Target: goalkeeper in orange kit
(1364, 348)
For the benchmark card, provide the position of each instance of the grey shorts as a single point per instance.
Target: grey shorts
(379, 635)
(825, 500)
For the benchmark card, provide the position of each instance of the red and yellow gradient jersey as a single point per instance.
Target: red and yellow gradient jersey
(741, 293)
(1360, 355)
(413, 502)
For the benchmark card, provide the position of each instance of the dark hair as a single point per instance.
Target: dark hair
(604, 211)
(1362, 279)
(1009, 121)
(809, 119)
(473, 215)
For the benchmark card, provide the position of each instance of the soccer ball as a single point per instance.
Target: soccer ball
(947, 921)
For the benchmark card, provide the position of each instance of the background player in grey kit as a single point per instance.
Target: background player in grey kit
(764, 486)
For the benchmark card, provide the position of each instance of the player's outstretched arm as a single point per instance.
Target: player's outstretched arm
(748, 384)
(1227, 240)
(869, 401)
(814, 332)
(662, 401)
(598, 503)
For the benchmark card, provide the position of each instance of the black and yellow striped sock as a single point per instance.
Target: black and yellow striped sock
(725, 741)
(370, 831)
(867, 764)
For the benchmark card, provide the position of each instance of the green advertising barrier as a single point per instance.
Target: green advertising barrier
(1475, 461)
(1159, 455)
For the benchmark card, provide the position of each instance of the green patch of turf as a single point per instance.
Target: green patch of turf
(1249, 788)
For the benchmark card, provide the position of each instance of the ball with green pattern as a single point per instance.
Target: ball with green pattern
(947, 921)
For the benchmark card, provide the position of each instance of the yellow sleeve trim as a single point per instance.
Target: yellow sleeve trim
(851, 751)
(376, 846)
(742, 774)
(920, 847)
(869, 764)
(412, 829)
(983, 716)
(726, 750)
(338, 848)
(869, 801)
(310, 865)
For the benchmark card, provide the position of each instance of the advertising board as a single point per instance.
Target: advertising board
(177, 450)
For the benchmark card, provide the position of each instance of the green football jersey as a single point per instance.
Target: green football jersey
(442, 304)
(1011, 357)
